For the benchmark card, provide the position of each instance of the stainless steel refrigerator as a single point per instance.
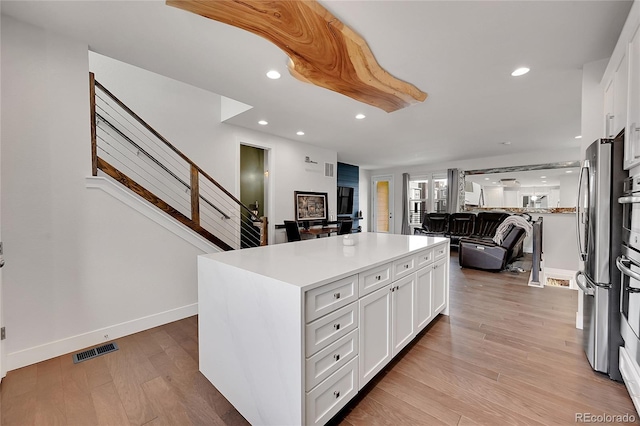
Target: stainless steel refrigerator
(599, 216)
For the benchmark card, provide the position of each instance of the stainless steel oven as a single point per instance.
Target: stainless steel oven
(630, 202)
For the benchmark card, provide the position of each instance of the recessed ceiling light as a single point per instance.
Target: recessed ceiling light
(300, 133)
(578, 137)
(273, 75)
(544, 181)
(569, 171)
(263, 122)
(520, 71)
(543, 177)
(360, 116)
(506, 143)
(494, 182)
(486, 178)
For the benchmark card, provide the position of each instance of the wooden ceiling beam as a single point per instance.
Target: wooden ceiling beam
(322, 50)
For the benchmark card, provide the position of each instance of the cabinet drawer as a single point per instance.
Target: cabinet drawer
(374, 279)
(330, 396)
(330, 359)
(424, 258)
(630, 376)
(439, 252)
(330, 328)
(329, 297)
(403, 267)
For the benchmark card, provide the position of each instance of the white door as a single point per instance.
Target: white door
(382, 204)
(375, 333)
(402, 307)
(439, 286)
(424, 279)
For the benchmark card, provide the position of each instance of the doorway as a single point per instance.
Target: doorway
(382, 204)
(253, 186)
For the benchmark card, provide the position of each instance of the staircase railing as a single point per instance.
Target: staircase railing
(128, 149)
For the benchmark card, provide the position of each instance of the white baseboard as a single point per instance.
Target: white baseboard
(75, 343)
(141, 205)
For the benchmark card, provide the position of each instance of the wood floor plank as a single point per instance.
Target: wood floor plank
(108, 406)
(165, 402)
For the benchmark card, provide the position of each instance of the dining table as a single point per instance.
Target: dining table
(319, 231)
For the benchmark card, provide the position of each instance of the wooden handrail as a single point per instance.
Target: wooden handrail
(168, 144)
(194, 221)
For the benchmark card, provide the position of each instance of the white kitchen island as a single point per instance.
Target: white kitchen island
(289, 333)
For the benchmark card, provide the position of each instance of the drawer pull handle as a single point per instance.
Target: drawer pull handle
(336, 357)
(336, 295)
(406, 266)
(378, 277)
(397, 287)
(336, 326)
(336, 394)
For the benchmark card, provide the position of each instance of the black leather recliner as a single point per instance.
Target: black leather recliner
(487, 223)
(434, 224)
(460, 225)
(485, 254)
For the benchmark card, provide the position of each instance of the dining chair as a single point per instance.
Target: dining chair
(293, 230)
(345, 227)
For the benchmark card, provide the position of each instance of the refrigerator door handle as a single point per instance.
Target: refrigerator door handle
(580, 214)
(623, 264)
(628, 200)
(587, 290)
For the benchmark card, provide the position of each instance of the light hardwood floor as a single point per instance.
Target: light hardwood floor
(507, 354)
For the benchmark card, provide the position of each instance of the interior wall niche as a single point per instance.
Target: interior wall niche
(536, 188)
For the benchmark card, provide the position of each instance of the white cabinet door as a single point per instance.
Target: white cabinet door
(439, 292)
(423, 309)
(609, 93)
(632, 133)
(375, 333)
(620, 97)
(402, 308)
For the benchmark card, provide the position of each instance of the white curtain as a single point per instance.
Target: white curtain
(453, 190)
(406, 229)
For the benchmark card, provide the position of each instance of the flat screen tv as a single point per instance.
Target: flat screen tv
(345, 200)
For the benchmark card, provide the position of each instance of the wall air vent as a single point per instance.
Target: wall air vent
(95, 352)
(328, 169)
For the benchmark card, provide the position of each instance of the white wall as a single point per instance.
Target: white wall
(81, 264)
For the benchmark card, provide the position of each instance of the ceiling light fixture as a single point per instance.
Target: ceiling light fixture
(569, 171)
(543, 177)
(300, 133)
(506, 143)
(263, 122)
(273, 75)
(520, 71)
(360, 116)
(578, 137)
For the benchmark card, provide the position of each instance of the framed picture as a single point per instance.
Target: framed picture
(310, 205)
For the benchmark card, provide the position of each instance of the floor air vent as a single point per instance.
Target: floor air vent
(92, 353)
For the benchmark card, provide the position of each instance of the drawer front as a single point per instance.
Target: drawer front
(326, 330)
(404, 267)
(329, 297)
(330, 396)
(374, 279)
(424, 258)
(439, 252)
(630, 376)
(330, 359)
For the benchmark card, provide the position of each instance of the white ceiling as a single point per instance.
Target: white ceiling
(460, 52)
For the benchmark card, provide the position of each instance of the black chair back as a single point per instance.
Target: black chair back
(487, 223)
(293, 230)
(436, 222)
(345, 227)
(461, 224)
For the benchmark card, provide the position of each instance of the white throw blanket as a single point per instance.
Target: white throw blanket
(514, 220)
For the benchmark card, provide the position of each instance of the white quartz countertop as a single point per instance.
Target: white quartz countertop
(319, 260)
